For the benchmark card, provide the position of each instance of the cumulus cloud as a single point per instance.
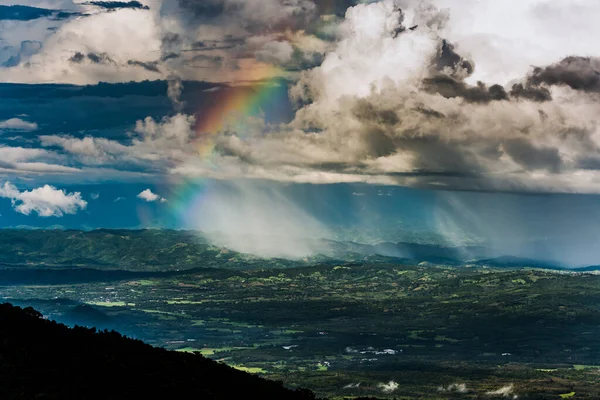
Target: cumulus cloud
(150, 197)
(399, 92)
(45, 201)
(17, 124)
(155, 145)
(413, 116)
(81, 50)
(154, 39)
(32, 160)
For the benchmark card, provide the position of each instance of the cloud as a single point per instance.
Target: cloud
(150, 197)
(389, 387)
(17, 124)
(115, 5)
(174, 90)
(82, 50)
(46, 201)
(28, 49)
(412, 116)
(391, 92)
(352, 386)
(118, 199)
(32, 160)
(578, 73)
(95, 196)
(505, 391)
(454, 388)
(154, 146)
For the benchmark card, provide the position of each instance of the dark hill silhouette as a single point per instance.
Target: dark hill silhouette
(41, 359)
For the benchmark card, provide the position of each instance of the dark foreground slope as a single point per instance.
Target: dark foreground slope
(44, 360)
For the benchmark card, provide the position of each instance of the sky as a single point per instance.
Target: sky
(466, 119)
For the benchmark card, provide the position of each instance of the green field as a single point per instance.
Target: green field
(366, 329)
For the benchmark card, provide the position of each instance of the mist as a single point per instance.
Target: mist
(259, 218)
(270, 219)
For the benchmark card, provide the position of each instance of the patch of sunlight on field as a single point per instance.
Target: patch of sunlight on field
(209, 351)
(172, 302)
(251, 370)
(567, 395)
(580, 367)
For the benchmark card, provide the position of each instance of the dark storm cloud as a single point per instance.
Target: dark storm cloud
(429, 112)
(367, 112)
(530, 92)
(148, 66)
(579, 73)
(449, 69)
(449, 59)
(400, 23)
(170, 56)
(77, 57)
(450, 88)
(95, 58)
(531, 157)
(171, 39)
(115, 5)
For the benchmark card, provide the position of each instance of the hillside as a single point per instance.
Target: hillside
(42, 359)
(130, 250)
(74, 256)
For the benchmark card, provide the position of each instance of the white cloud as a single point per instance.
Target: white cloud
(455, 387)
(389, 387)
(155, 144)
(365, 114)
(122, 36)
(505, 391)
(17, 124)
(31, 160)
(46, 201)
(540, 32)
(150, 197)
(95, 196)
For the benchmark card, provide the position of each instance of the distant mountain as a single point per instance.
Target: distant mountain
(407, 251)
(70, 256)
(130, 250)
(516, 262)
(41, 359)
(591, 268)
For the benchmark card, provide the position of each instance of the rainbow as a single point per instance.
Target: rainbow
(233, 105)
(256, 93)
